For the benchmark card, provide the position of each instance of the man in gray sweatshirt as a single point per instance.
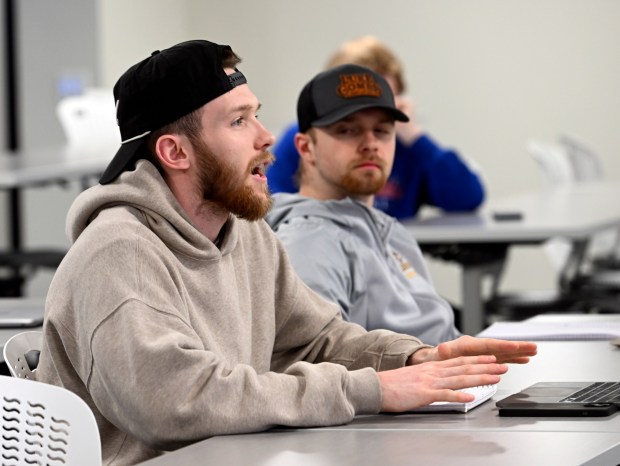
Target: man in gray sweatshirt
(351, 253)
(176, 314)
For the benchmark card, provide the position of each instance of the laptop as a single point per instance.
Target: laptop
(21, 312)
(563, 399)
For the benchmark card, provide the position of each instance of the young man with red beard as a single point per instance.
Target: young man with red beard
(176, 314)
(342, 247)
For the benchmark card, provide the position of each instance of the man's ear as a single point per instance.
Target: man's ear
(172, 151)
(305, 147)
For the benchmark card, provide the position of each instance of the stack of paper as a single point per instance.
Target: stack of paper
(542, 331)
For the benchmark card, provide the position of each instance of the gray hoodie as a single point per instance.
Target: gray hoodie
(171, 340)
(365, 261)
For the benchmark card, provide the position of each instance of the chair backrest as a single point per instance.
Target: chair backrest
(571, 161)
(21, 353)
(557, 170)
(89, 120)
(45, 424)
(586, 164)
(554, 162)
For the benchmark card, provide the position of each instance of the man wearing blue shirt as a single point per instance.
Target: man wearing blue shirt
(423, 172)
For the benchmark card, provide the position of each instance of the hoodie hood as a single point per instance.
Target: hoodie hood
(145, 195)
(369, 224)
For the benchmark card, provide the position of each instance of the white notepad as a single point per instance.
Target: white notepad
(542, 331)
(482, 393)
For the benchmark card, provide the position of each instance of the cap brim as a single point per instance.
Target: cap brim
(345, 112)
(128, 153)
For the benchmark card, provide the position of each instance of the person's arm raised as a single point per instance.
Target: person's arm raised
(407, 132)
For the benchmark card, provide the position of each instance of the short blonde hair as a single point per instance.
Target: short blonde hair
(370, 52)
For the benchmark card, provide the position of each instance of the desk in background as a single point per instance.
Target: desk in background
(57, 165)
(474, 438)
(576, 212)
(31, 168)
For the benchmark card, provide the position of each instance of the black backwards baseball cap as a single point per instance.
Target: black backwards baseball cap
(338, 92)
(162, 88)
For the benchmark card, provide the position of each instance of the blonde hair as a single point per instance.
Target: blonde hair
(370, 52)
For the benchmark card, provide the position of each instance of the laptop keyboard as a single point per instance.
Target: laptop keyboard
(598, 392)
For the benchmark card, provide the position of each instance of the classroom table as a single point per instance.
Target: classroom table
(474, 438)
(576, 212)
(58, 165)
(54, 165)
(38, 167)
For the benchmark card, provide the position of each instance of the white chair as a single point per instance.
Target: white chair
(89, 123)
(89, 120)
(44, 424)
(598, 273)
(566, 163)
(587, 166)
(557, 170)
(585, 163)
(21, 353)
(578, 288)
(553, 161)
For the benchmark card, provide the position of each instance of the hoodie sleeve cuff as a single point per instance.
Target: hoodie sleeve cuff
(364, 391)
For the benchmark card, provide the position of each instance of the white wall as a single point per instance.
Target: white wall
(486, 75)
(131, 30)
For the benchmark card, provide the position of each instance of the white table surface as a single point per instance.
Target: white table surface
(36, 166)
(401, 448)
(576, 212)
(474, 438)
